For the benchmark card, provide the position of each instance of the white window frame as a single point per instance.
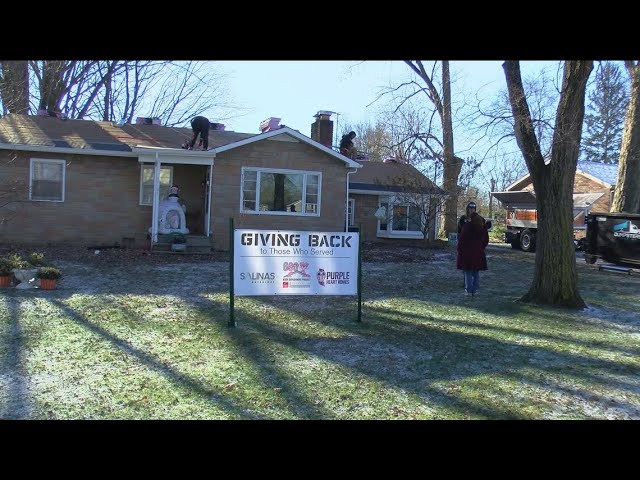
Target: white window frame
(351, 212)
(64, 176)
(304, 173)
(391, 202)
(152, 167)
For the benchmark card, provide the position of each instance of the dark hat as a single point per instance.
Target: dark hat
(471, 205)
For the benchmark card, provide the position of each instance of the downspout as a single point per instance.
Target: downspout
(346, 209)
(156, 201)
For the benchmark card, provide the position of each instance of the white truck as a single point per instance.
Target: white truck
(522, 216)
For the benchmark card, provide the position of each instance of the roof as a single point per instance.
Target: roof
(606, 172)
(108, 138)
(392, 176)
(35, 130)
(526, 199)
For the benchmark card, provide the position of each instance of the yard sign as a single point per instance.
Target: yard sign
(276, 262)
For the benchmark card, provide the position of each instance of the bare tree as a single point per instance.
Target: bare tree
(112, 90)
(451, 164)
(627, 193)
(555, 276)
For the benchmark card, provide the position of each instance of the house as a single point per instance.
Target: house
(101, 183)
(593, 188)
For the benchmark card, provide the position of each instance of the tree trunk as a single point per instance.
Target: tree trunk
(452, 164)
(52, 86)
(14, 86)
(626, 197)
(555, 276)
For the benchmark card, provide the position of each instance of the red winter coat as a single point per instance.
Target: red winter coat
(472, 241)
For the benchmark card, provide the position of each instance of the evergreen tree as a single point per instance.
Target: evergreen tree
(604, 119)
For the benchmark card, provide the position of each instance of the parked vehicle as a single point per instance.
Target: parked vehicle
(522, 216)
(613, 237)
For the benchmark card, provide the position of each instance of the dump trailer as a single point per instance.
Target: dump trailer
(613, 237)
(522, 216)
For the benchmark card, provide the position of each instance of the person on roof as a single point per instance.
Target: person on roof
(200, 126)
(347, 148)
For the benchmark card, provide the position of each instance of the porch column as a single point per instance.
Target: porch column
(208, 189)
(156, 200)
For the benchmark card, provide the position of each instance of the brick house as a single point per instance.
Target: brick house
(591, 178)
(100, 183)
(593, 188)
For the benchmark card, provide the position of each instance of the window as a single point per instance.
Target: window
(398, 219)
(146, 183)
(405, 218)
(46, 181)
(279, 192)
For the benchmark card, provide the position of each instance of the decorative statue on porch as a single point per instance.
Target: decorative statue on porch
(171, 218)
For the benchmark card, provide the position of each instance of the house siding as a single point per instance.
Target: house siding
(225, 203)
(581, 184)
(100, 206)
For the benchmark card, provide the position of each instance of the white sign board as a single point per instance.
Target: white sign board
(276, 262)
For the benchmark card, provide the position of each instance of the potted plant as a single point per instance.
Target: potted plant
(36, 259)
(5, 272)
(49, 277)
(178, 243)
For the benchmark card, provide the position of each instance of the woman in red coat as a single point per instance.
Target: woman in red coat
(472, 242)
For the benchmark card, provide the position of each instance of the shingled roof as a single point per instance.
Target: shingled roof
(392, 177)
(104, 136)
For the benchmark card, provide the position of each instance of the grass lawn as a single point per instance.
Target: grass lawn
(152, 342)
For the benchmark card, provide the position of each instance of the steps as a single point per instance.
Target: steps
(195, 244)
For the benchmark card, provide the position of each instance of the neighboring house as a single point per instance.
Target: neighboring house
(596, 179)
(593, 188)
(99, 183)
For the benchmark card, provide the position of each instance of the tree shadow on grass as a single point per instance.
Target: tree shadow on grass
(417, 358)
(15, 386)
(150, 361)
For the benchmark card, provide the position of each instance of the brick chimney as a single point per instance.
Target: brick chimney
(322, 128)
(271, 123)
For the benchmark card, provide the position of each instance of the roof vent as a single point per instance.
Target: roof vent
(218, 126)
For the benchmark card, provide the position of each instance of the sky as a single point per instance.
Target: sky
(296, 90)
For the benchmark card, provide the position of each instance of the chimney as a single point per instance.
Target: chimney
(322, 128)
(269, 124)
(218, 126)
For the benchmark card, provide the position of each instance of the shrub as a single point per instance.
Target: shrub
(51, 273)
(5, 267)
(36, 259)
(17, 262)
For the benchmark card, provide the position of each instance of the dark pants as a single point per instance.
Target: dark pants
(200, 126)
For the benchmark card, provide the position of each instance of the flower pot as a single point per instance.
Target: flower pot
(25, 276)
(5, 281)
(48, 283)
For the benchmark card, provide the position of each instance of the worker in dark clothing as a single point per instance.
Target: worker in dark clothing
(347, 148)
(200, 126)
